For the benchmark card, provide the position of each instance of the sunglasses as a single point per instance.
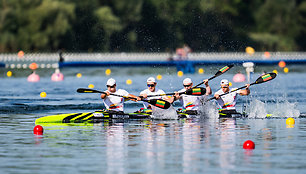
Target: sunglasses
(224, 86)
(110, 86)
(187, 85)
(150, 85)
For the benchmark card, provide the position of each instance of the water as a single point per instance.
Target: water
(150, 146)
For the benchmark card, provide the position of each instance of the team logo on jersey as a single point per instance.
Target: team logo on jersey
(113, 106)
(189, 105)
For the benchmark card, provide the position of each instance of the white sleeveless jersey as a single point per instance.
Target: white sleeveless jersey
(148, 92)
(113, 102)
(191, 102)
(228, 102)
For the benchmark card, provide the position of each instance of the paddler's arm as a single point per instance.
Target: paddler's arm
(144, 95)
(134, 96)
(169, 99)
(208, 89)
(103, 96)
(176, 95)
(245, 91)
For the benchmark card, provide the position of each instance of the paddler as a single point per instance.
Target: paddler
(115, 103)
(152, 90)
(191, 103)
(227, 102)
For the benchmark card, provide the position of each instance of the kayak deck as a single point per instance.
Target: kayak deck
(100, 116)
(96, 116)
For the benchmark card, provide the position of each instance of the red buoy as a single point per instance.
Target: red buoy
(38, 130)
(249, 144)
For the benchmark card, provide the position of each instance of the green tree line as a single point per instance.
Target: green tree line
(152, 25)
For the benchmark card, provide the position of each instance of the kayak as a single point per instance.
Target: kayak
(101, 116)
(92, 117)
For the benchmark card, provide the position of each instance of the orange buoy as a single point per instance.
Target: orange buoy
(267, 55)
(282, 64)
(33, 66)
(20, 54)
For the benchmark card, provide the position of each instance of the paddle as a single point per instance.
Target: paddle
(261, 79)
(191, 91)
(155, 102)
(221, 71)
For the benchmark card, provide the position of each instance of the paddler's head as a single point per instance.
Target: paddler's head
(187, 83)
(151, 83)
(111, 85)
(224, 85)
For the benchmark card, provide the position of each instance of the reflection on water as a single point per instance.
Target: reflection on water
(153, 146)
(206, 145)
(227, 142)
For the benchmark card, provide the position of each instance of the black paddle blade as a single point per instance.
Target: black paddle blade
(196, 91)
(265, 78)
(84, 90)
(223, 70)
(159, 103)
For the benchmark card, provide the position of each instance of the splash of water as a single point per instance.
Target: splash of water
(208, 110)
(168, 114)
(280, 109)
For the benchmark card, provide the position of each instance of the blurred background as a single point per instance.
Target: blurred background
(152, 25)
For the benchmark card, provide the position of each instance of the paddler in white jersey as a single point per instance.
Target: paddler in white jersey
(115, 103)
(227, 102)
(152, 90)
(191, 103)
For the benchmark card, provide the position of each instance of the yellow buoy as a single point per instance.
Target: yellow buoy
(180, 73)
(201, 71)
(230, 84)
(286, 70)
(91, 86)
(290, 121)
(43, 94)
(79, 75)
(159, 77)
(249, 50)
(129, 82)
(9, 73)
(275, 71)
(108, 72)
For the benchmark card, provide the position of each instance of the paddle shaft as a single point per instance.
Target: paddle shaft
(199, 91)
(232, 91)
(156, 102)
(208, 80)
(216, 75)
(261, 79)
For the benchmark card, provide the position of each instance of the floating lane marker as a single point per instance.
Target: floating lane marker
(79, 75)
(43, 94)
(180, 73)
(201, 71)
(249, 144)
